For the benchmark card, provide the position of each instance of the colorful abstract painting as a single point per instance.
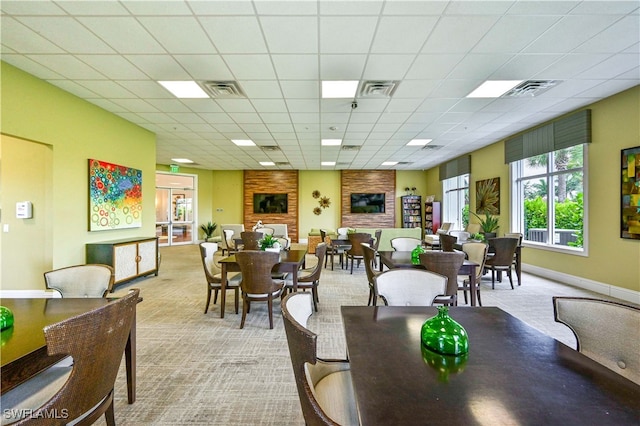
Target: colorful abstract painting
(115, 196)
(630, 188)
(488, 196)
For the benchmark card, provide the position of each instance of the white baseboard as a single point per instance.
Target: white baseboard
(28, 294)
(585, 283)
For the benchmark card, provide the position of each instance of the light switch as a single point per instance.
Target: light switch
(5, 227)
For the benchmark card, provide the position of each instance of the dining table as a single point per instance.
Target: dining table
(290, 261)
(23, 352)
(513, 374)
(402, 259)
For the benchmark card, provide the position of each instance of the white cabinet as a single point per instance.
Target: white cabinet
(130, 258)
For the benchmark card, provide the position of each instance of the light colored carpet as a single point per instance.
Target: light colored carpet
(202, 369)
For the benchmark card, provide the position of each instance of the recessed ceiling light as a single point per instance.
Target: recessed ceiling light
(493, 88)
(331, 142)
(389, 163)
(267, 163)
(181, 160)
(243, 142)
(339, 89)
(184, 89)
(419, 142)
(328, 163)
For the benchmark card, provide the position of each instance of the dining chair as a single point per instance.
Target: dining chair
(477, 253)
(250, 240)
(376, 244)
(265, 230)
(504, 250)
(310, 278)
(606, 331)
(257, 285)
(92, 280)
(448, 264)
(519, 236)
(230, 232)
(324, 386)
(447, 242)
(213, 275)
(409, 287)
(81, 392)
(331, 249)
(355, 252)
(405, 243)
(369, 254)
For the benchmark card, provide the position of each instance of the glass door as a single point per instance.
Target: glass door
(175, 206)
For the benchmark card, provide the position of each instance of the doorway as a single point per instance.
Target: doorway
(175, 206)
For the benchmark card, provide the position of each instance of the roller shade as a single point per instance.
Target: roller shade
(564, 133)
(456, 167)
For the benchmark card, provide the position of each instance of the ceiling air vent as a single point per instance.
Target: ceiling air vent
(270, 148)
(378, 89)
(431, 147)
(282, 163)
(223, 89)
(404, 163)
(350, 147)
(531, 88)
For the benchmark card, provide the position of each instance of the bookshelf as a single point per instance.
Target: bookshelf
(411, 211)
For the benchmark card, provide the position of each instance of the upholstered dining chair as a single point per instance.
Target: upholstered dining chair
(477, 253)
(310, 278)
(92, 280)
(230, 232)
(606, 331)
(448, 264)
(504, 250)
(369, 266)
(447, 242)
(82, 392)
(257, 285)
(376, 245)
(331, 249)
(213, 275)
(409, 287)
(355, 252)
(324, 386)
(405, 243)
(250, 240)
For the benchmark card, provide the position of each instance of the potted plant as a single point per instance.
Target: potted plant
(208, 228)
(269, 243)
(488, 224)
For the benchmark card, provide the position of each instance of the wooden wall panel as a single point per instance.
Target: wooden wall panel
(368, 181)
(272, 182)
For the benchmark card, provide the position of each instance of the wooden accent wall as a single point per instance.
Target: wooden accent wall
(369, 181)
(274, 182)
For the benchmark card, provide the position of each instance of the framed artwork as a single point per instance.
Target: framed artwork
(630, 194)
(115, 196)
(488, 196)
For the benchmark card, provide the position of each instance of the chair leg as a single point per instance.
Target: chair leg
(245, 308)
(206, 308)
(109, 414)
(215, 296)
(510, 278)
(493, 279)
(478, 297)
(370, 301)
(237, 296)
(314, 296)
(270, 307)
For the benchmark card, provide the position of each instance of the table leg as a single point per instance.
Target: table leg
(130, 362)
(223, 287)
(519, 266)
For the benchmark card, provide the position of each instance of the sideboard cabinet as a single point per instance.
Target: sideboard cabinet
(130, 258)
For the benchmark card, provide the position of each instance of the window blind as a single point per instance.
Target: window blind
(456, 167)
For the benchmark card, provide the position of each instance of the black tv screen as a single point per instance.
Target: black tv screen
(270, 203)
(367, 203)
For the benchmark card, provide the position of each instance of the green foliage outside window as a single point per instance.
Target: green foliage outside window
(569, 215)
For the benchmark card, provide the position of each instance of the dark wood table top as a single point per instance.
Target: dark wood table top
(286, 256)
(513, 374)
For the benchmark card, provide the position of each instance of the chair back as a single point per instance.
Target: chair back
(256, 267)
(321, 252)
(227, 232)
(377, 236)
(517, 235)
(477, 253)
(405, 243)
(607, 332)
(410, 287)
(504, 250)
(93, 280)
(447, 241)
(473, 228)
(444, 263)
(265, 230)
(211, 267)
(369, 255)
(323, 236)
(356, 239)
(250, 240)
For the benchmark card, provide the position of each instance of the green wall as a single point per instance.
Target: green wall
(34, 111)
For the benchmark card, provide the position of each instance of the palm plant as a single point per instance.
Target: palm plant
(488, 223)
(208, 228)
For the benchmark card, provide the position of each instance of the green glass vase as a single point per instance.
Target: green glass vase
(443, 335)
(415, 254)
(6, 318)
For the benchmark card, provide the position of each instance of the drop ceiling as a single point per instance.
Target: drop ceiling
(112, 53)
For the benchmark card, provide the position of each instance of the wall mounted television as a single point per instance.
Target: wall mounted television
(367, 203)
(270, 203)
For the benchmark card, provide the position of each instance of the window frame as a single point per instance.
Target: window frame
(460, 193)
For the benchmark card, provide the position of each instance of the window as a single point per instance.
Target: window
(548, 197)
(456, 201)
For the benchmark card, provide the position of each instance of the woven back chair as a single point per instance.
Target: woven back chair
(324, 386)
(250, 240)
(605, 331)
(310, 278)
(81, 280)
(355, 252)
(213, 275)
(447, 242)
(96, 340)
(369, 266)
(410, 287)
(448, 264)
(477, 253)
(504, 250)
(257, 285)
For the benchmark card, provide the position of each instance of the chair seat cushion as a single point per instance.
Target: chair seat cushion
(334, 393)
(264, 295)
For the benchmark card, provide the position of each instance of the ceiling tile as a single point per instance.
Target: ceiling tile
(402, 35)
(290, 34)
(235, 34)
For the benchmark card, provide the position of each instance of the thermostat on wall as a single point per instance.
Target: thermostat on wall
(24, 210)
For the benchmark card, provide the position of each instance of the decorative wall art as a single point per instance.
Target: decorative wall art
(630, 194)
(115, 196)
(323, 202)
(488, 196)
